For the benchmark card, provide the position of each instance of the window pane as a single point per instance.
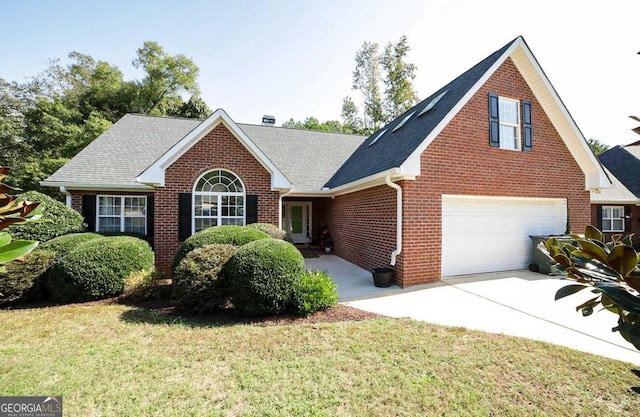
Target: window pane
(134, 224)
(109, 224)
(617, 225)
(109, 206)
(606, 225)
(134, 206)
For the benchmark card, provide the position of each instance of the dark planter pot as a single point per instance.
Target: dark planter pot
(382, 277)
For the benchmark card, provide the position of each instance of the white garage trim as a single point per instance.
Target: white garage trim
(487, 234)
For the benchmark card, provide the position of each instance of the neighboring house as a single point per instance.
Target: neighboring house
(453, 186)
(617, 210)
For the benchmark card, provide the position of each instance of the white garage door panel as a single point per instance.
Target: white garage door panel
(486, 234)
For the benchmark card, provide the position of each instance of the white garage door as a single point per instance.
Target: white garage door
(486, 234)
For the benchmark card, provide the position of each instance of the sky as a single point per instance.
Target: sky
(294, 59)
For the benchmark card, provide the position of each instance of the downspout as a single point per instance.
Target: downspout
(67, 194)
(395, 253)
(280, 207)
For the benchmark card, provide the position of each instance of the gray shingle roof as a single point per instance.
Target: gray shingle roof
(116, 158)
(307, 158)
(393, 148)
(624, 165)
(126, 149)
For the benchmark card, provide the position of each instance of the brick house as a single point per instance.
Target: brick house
(617, 210)
(453, 186)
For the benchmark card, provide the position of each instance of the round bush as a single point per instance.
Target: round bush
(25, 280)
(228, 235)
(262, 276)
(64, 244)
(273, 231)
(63, 219)
(98, 268)
(315, 291)
(198, 282)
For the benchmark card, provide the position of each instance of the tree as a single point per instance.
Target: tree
(311, 123)
(372, 71)
(596, 146)
(399, 94)
(48, 119)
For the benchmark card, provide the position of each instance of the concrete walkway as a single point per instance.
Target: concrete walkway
(516, 303)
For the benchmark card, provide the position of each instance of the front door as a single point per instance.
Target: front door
(298, 220)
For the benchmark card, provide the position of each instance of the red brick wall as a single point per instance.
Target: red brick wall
(458, 161)
(631, 224)
(363, 226)
(219, 149)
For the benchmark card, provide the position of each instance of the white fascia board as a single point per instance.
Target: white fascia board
(155, 173)
(371, 181)
(71, 186)
(412, 163)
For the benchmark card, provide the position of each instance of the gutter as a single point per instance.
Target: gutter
(67, 195)
(395, 253)
(280, 207)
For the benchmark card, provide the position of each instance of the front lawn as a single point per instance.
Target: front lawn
(115, 360)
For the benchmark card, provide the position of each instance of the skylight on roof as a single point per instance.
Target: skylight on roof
(378, 136)
(403, 122)
(433, 103)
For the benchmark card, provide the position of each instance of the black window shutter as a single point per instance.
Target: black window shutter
(252, 209)
(526, 123)
(627, 218)
(494, 121)
(89, 211)
(184, 216)
(150, 214)
(599, 217)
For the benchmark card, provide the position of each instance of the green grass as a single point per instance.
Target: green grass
(114, 360)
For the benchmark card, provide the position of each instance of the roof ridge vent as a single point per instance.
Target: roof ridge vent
(432, 103)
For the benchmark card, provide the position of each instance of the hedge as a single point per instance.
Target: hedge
(63, 219)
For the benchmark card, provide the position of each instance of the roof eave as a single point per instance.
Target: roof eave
(374, 180)
(102, 187)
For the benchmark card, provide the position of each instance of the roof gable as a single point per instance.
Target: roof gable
(154, 174)
(625, 166)
(398, 151)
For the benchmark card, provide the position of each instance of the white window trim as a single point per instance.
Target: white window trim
(613, 218)
(518, 126)
(122, 215)
(219, 196)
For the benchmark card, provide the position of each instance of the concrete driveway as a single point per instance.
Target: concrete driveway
(516, 303)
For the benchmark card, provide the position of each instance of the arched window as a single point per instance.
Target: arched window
(218, 198)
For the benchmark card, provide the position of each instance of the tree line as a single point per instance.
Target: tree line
(49, 118)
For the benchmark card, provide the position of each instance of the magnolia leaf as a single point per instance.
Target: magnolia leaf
(582, 260)
(628, 240)
(593, 233)
(634, 282)
(5, 238)
(16, 249)
(568, 290)
(623, 259)
(621, 296)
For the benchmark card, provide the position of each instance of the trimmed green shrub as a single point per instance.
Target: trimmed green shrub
(262, 276)
(270, 229)
(315, 291)
(227, 235)
(198, 282)
(98, 268)
(25, 280)
(63, 220)
(64, 244)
